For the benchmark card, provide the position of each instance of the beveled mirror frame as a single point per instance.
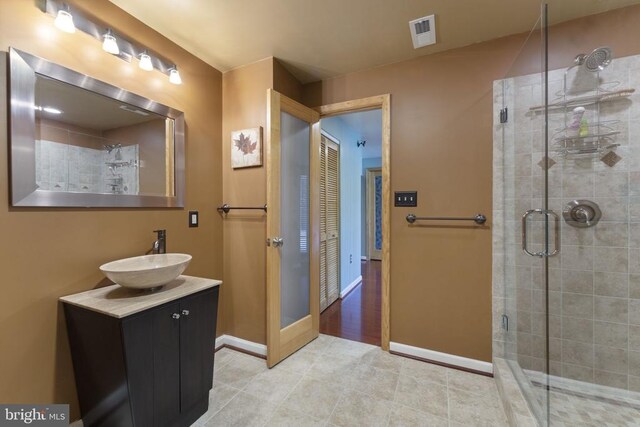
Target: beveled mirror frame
(23, 68)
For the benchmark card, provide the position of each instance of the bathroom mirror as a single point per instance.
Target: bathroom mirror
(79, 142)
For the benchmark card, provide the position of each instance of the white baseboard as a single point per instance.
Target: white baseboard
(251, 347)
(352, 285)
(363, 258)
(436, 356)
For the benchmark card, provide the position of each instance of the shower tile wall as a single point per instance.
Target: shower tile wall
(594, 283)
(65, 167)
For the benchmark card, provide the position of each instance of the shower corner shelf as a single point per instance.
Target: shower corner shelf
(591, 144)
(583, 101)
(597, 145)
(601, 134)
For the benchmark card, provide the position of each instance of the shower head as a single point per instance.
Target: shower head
(110, 147)
(596, 60)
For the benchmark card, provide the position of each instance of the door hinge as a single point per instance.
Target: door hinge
(505, 322)
(504, 115)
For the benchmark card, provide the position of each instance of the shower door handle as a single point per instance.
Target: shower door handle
(556, 220)
(547, 213)
(525, 247)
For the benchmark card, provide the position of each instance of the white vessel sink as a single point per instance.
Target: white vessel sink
(148, 271)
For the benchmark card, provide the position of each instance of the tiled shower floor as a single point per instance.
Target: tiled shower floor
(567, 409)
(336, 382)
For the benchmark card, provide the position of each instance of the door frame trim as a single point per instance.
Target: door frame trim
(382, 102)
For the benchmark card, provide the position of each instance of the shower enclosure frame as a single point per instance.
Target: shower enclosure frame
(567, 334)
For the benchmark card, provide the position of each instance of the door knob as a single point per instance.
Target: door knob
(277, 242)
(185, 312)
(175, 316)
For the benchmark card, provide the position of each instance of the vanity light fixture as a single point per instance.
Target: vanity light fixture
(145, 61)
(51, 110)
(110, 44)
(64, 20)
(120, 47)
(174, 76)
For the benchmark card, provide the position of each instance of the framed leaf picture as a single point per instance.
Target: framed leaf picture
(246, 148)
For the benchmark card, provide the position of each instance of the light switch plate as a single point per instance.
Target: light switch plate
(193, 218)
(406, 199)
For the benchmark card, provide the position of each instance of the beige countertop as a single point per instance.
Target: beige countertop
(120, 302)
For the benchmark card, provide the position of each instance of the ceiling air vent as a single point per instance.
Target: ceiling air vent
(423, 31)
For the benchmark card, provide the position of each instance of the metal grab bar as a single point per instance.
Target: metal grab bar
(226, 208)
(478, 219)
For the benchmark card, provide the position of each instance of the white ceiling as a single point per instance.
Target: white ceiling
(321, 39)
(368, 125)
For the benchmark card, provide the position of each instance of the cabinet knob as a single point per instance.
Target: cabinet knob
(185, 312)
(175, 316)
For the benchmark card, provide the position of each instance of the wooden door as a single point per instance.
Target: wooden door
(374, 214)
(293, 228)
(329, 222)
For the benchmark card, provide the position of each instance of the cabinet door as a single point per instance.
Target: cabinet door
(197, 346)
(166, 365)
(137, 335)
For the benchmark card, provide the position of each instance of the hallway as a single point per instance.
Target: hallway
(357, 316)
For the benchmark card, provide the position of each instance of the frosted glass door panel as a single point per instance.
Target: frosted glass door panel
(294, 216)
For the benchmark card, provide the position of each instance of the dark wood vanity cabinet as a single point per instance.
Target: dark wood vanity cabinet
(152, 368)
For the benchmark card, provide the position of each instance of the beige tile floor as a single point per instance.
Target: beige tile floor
(336, 382)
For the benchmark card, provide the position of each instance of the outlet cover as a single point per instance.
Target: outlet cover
(193, 218)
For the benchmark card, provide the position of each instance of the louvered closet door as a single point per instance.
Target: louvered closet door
(329, 223)
(323, 225)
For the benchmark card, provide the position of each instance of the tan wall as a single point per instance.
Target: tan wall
(150, 137)
(441, 146)
(285, 83)
(64, 133)
(244, 106)
(47, 253)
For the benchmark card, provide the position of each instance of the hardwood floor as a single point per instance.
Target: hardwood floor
(357, 316)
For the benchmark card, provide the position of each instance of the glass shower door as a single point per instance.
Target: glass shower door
(530, 239)
(594, 291)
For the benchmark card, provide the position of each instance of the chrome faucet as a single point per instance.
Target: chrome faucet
(160, 245)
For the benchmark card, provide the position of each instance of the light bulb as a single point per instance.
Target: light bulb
(50, 110)
(110, 44)
(174, 76)
(64, 21)
(145, 62)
